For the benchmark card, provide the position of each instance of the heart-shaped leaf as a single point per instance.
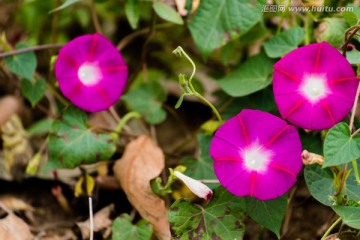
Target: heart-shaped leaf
(33, 90)
(251, 76)
(285, 42)
(24, 64)
(217, 22)
(350, 215)
(340, 147)
(268, 213)
(147, 99)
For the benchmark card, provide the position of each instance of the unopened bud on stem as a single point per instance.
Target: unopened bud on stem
(195, 186)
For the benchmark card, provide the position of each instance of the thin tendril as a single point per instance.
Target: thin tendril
(179, 51)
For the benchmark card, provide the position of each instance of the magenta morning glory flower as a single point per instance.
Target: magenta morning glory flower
(314, 86)
(91, 72)
(256, 154)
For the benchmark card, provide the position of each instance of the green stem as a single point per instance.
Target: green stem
(331, 228)
(95, 17)
(308, 29)
(123, 121)
(210, 105)
(179, 51)
(355, 167)
(129, 38)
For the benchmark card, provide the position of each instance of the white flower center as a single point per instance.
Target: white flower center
(314, 87)
(89, 74)
(256, 157)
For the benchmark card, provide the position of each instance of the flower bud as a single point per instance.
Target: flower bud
(198, 188)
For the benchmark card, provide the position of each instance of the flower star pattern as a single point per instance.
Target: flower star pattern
(256, 154)
(314, 86)
(91, 72)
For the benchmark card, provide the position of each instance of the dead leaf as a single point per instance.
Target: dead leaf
(15, 204)
(142, 161)
(9, 105)
(101, 222)
(311, 158)
(13, 227)
(17, 148)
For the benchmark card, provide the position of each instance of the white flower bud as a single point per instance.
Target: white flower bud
(195, 186)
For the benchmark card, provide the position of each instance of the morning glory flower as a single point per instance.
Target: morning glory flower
(314, 86)
(91, 72)
(256, 154)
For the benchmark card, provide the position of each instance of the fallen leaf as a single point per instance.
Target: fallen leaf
(16, 147)
(13, 227)
(142, 161)
(15, 204)
(101, 221)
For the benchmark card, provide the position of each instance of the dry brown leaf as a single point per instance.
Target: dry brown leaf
(9, 105)
(142, 161)
(13, 227)
(15, 204)
(101, 221)
(311, 158)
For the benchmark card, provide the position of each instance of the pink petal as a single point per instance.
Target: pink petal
(320, 61)
(274, 149)
(99, 92)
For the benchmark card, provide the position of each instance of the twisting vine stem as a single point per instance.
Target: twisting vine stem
(187, 87)
(349, 34)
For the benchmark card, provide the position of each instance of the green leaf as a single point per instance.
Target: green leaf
(339, 146)
(285, 42)
(72, 144)
(66, 4)
(132, 11)
(40, 127)
(24, 64)
(216, 22)
(350, 215)
(262, 100)
(220, 219)
(202, 167)
(122, 228)
(33, 90)
(167, 13)
(147, 99)
(353, 56)
(320, 182)
(251, 76)
(332, 31)
(268, 213)
(350, 17)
